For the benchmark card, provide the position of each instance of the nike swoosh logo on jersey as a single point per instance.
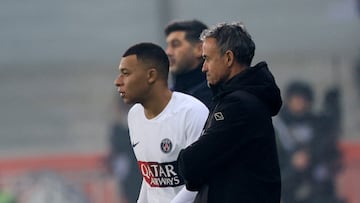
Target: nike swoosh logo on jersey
(134, 144)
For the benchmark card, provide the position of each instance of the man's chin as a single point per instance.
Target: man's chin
(211, 85)
(127, 101)
(173, 70)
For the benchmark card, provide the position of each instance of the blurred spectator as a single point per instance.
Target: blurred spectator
(307, 144)
(184, 49)
(122, 159)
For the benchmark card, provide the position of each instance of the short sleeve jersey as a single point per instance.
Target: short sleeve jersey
(157, 142)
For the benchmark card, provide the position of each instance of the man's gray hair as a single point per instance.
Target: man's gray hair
(234, 37)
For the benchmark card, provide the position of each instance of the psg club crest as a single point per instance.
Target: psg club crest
(166, 145)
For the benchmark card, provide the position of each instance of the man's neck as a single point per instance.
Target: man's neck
(189, 79)
(156, 103)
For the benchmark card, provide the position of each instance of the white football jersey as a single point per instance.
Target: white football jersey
(158, 141)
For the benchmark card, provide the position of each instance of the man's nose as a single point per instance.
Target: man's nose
(117, 81)
(169, 51)
(204, 68)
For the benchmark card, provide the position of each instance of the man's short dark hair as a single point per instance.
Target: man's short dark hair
(192, 29)
(151, 54)
(300, 88)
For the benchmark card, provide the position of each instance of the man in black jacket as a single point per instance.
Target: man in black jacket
(235, 159)
(184, 52)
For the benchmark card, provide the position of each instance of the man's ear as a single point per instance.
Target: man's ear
(229, 58)
(152, 75)
(198, 50)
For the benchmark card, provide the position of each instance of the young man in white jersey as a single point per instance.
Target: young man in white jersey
(161, 122)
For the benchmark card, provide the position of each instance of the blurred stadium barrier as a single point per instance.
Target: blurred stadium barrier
(59, 178)
(349, 178)
(85, 178)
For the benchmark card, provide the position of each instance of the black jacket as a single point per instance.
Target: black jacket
(235, 159)
(195, 84)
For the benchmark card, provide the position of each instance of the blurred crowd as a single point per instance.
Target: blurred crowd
(310, 159)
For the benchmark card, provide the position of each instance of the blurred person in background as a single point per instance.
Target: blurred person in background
(161, 122)
(121, 160)
(307, 145)
(235, 159)
(184, 52)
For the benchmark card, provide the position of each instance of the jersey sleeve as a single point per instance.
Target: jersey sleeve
(143, 194)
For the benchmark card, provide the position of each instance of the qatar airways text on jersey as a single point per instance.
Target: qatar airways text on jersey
(160, 174)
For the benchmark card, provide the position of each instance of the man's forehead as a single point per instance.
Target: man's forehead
(209, 43)
(210, 40)
(176, 35)
(128, 61)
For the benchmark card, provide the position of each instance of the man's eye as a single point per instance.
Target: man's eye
(175, 44)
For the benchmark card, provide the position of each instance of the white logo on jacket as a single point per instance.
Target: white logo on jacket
(218, 116)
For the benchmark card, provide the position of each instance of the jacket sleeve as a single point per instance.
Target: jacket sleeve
(184, 196)
(225, 136)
